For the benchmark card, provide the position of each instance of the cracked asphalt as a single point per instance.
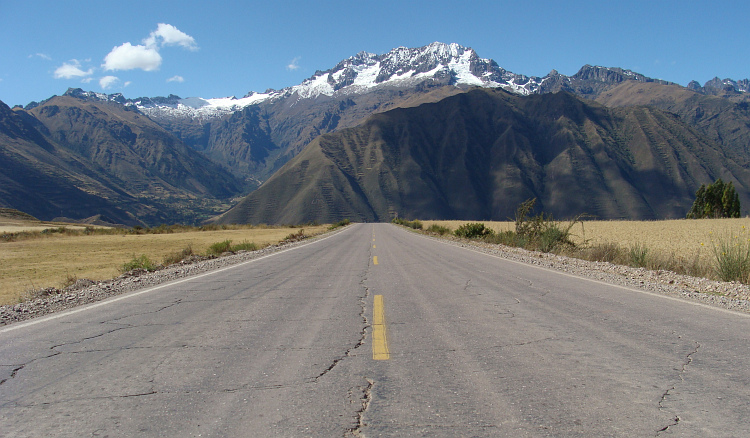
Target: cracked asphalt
(281, 346)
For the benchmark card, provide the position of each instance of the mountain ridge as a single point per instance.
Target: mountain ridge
(451, 63)
(478, 154)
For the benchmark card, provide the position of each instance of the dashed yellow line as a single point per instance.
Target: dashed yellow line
(380, 349)
(375, 260)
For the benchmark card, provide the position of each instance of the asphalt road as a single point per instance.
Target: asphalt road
(376, 331)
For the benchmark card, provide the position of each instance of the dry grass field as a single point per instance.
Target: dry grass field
(684, 238)
(16, 226)
(50, 260)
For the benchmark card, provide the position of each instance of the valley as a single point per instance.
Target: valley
(434, 131)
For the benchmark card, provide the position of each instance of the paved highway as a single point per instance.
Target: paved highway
(375, 331)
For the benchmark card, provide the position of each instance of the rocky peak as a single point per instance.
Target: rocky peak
(717, 86)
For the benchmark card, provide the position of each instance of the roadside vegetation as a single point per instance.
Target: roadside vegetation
(61, 256)
(717, 249)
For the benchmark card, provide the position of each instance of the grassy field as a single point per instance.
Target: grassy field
(50, 260)
(688, 239)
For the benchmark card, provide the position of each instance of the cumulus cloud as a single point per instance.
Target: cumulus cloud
(146, 56)
(108, 81)
(72, 69)
(129, 57)
(168, 35)
(176, 78)
(293, 64)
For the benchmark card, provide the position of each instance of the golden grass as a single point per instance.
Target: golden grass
(48, 261)
(684, 238)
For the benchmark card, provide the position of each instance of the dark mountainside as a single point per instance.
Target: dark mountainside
(74, 158)
(724, 119)
(257, 140)
(478, 154)
(44, 180)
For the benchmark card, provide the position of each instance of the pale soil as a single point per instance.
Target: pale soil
(49, 261)
(8, 225)
(684, 238)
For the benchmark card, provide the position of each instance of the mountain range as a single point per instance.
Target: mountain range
(168, 158)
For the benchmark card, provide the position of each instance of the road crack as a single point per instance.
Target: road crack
(362, 334)
(365, 400)
(668, 392)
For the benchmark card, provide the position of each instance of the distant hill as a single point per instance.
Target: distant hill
(11, 213)
(478, 154)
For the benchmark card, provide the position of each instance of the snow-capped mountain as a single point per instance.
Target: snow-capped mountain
(445, 64)
(436, 64)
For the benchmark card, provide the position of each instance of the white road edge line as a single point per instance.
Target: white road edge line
(127, 295)
(593, 280)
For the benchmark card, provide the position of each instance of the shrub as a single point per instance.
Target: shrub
(69, 280)
(141, 262)
(438, 229)
(639, 255)
(508, 238)
(415, 224)
(341, 223)
(219, 248)
(245, 246)
(299, 235)
(177, 257)
(732, 257)
(542, 232)
(473, 230)
(603, 252)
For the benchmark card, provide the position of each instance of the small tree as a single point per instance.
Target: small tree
(715, 200)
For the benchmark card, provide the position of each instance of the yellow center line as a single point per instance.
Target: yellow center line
(373, 246)
(379, 333)
(375, 260)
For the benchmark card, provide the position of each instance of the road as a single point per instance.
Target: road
(376, 331)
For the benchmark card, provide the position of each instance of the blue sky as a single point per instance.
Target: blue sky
(224, 48)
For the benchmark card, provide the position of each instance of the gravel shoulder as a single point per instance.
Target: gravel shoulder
(86, 291)
(727, 295)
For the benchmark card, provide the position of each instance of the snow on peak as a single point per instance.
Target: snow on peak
(446, 63)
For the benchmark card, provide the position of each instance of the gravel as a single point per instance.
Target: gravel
(733, 296)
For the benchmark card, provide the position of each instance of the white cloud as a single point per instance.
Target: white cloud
(176, 78)
(168, 35)
(146, 57)
(86, 80)
(294, 64)
(108, 81)
(41, 55)
(71, 69)
(126, 83)
(129, 57)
